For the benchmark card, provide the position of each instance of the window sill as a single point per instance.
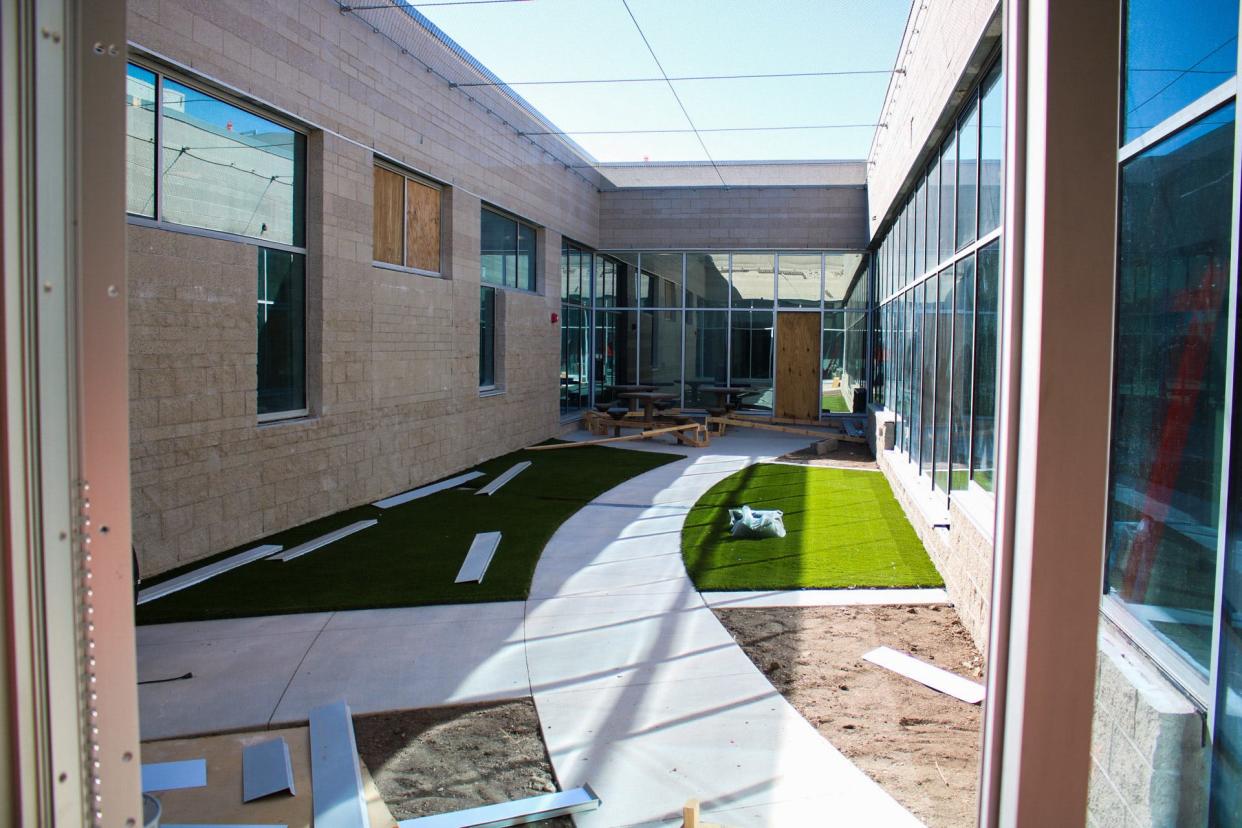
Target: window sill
(414, 271)
(171, 227)
(285, 418)
(509, 288)
(491, 392)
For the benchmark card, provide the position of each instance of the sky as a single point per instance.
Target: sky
(541, 40)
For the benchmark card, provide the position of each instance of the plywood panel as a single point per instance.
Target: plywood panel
(422, 217)
(797, 365)
(389, 187)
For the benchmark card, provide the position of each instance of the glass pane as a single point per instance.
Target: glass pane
(797, 282)
(660, 280)
(1175, 52)
(707, 280)
(852, 379)
(707, 351)
(920, 229)
(282, 331)
(933, 215)
(487, 337)
(751, 357)
(992, 148)
(497, 261)
(916, 375)
(948, 208)
(616, 352)
(1169, 384)
(661, 351)
(967, 173)
(839, 272)
(944, 361)
(754, 282)
(1226, 785)
(983, 409)
(565, 267)
(963, 352)
(525, 257)
(227, 169)
(614, 280)
(140, 141)
(833, 366)
(928, 385)
(575, 388)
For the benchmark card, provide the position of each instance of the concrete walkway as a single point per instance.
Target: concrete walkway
(640, 690)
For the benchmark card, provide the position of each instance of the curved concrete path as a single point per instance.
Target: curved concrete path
(642, 693)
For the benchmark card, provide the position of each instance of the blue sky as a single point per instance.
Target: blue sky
(583, 39)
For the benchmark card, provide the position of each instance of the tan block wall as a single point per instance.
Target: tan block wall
(392, 358)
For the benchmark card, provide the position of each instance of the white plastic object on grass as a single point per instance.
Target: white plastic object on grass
(753, 523)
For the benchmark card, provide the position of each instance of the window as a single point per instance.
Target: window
(222, 168)
(967, 174)
(963, 345)
(991, 152)
(1169, 383)
(487, 338)
(798, 280)
(983, 408)
(282, 334)
(754, 280)
(507, 255)
(575, 328)
(406, 221)
(948, 192)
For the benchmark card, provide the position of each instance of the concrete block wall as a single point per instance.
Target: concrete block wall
(820, 218)
(945, 46)
(392, 357)
(1149, 756)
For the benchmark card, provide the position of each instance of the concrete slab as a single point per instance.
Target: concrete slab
(153, 634)
(237, 682)
(397, 667)
(825, 598)
(512, 611)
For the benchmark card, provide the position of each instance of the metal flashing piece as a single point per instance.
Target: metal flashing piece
(478, 557)
(219, 825)
(934, 677)
(203, 573)
(336, 778)
(172, 776)
(415, 494)
(266, 769)
(324, 540)
(517, 812)
(490, 488)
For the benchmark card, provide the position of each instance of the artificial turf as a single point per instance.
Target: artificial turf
(843, 528)
(834, 403)
(412, 555)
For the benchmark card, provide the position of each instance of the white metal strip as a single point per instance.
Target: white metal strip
(220, 825)
(478, 558)
(517, 812)
(336, 778)
(203, 573)
(171, 776)
(266, 769)
(324, 540)
(490, 488)
(929, 674)
(415, 494)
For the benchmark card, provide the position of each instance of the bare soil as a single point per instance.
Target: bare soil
(922, 746)
(848, 455)
(441, 759)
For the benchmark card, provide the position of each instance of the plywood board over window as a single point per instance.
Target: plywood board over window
(422, 222)
(387, 236)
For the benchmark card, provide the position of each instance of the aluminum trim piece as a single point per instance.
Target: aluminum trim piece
(323, 540)
(478, 557)
(415, 494)
(934, 677)
(517, 812)
(171, 776)
(266, 769)
(490, 488)
(203, 573)
(336, 779)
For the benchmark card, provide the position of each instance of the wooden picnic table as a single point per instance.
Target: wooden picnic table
(725, 394)
(624, 391)
(648, 399)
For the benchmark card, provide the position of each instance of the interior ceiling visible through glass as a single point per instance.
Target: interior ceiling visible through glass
(834, 58)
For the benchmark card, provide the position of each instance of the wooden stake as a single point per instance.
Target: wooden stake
(690, 814)
(641, 436)
(806, 432)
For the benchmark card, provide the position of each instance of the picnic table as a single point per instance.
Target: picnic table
(725, 394)
(624, 391)
(648, 399)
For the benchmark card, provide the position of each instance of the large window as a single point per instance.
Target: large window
(222, 168)
(576, 281)
(507, 254)
(487, 338)
(282, 334)
(406, 219)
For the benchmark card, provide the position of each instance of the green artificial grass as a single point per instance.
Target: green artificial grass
(843, 528)
(412, 555)
(834, 403)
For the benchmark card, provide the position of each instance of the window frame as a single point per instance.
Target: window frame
(225, 96)
(409, 175)
(519, 222)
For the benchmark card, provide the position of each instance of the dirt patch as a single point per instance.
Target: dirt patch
(922, 746)
(847, 456)
(434, 760)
